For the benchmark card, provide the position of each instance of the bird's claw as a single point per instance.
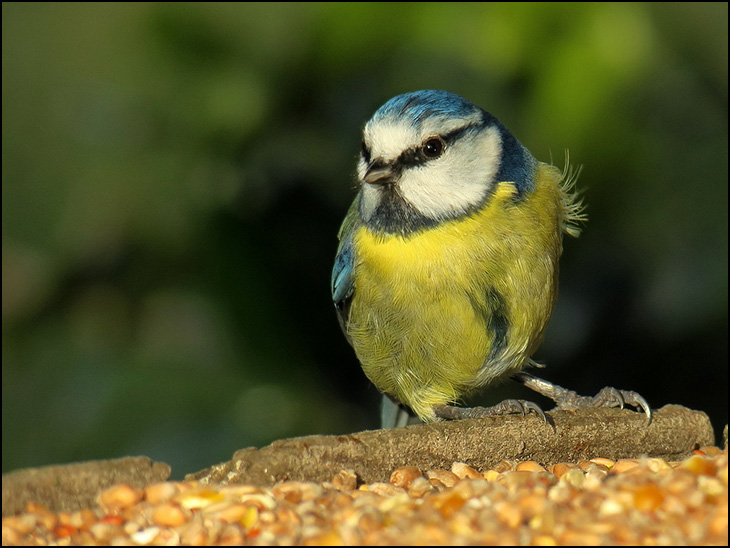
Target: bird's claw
(613, 397)
(568, 399)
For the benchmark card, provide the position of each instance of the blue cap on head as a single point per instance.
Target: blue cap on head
(418, 105)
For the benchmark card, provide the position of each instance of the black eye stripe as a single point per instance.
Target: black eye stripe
(415, 156)
(456, 134)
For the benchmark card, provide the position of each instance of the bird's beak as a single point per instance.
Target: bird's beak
(379, 174)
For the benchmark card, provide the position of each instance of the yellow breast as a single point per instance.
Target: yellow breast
(443, 311)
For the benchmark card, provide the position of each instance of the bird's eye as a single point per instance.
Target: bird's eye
(433, 147)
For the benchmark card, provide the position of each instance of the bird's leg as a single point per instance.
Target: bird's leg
(394, 415)
(507, 407)
(568, 399)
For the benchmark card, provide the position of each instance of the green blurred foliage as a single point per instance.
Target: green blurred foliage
(174, 176)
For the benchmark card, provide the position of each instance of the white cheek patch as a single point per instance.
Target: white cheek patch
(459, 180)
(370, 197)
(362, 168)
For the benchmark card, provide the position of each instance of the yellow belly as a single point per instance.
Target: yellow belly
(439, 313)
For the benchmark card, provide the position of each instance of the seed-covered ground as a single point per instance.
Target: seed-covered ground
(597, 502)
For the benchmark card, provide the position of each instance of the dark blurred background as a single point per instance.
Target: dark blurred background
(174, 176)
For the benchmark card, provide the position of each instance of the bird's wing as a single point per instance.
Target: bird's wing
(343, 286)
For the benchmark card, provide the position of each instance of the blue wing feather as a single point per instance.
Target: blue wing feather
(342, 286)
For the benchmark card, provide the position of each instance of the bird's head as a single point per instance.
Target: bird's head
(430, 156)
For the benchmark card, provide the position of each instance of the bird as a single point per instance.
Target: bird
(446, 272)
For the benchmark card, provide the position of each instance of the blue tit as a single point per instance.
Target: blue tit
(447, 268)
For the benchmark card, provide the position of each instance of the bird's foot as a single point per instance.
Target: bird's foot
(507, 407)
(568, 399)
